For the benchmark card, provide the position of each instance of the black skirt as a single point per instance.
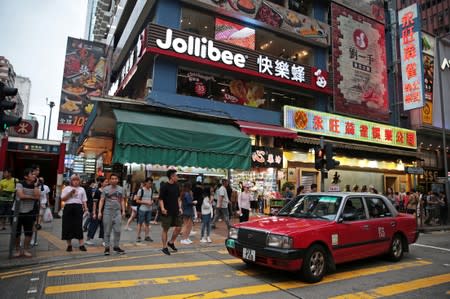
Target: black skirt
(72, 222)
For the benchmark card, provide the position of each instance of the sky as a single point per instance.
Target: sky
(33, 38)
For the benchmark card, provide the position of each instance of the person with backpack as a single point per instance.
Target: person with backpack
(144, 198)
(95, 222)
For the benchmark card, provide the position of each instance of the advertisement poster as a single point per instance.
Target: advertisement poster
(442, 69)
(428, 47)
(84, 73)
(360, 65)
(235, 34)
(278, 17)
(373, 9)
(411, 57)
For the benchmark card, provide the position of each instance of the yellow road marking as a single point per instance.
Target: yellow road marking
(53, 239)
(398, 288)
(30, 270)
(140, 267)
(274, 287)
(79, 287)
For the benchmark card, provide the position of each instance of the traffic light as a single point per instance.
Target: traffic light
(5, 119)
(319, 158)
(330, 162)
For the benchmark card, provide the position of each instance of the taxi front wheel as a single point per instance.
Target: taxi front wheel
(314, 264)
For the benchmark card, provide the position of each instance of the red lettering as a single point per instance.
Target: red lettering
(376, 133)
(318, 122)
(334, 125)
(349, 128)
(364, 131)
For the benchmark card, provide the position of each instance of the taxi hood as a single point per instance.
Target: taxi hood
(283, 224)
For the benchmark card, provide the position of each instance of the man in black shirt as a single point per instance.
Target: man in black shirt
(171, 211)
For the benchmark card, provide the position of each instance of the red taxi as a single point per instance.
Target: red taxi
(315, 232)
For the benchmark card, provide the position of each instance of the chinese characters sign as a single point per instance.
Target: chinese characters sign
(267, 157)
(411, 57)
(84, 73)
(326, 124)
(198, 49)
(360, 65)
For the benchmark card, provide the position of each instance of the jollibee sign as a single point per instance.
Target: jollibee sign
(186, 46)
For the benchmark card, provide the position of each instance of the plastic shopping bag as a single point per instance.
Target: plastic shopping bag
(48, 217)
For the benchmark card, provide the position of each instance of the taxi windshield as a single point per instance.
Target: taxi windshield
(313, 206)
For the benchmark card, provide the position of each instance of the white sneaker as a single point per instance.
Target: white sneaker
(129, 229)
(185, 242)
(209, 240)
(192, 233)
(203, 240)
(189, 241)
(89, 242)
(103, 244)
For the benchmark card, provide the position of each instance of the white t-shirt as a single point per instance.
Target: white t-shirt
(44, 194)
(78, 198)
(225, 200)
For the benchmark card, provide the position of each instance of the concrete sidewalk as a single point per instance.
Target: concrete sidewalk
(51, 248)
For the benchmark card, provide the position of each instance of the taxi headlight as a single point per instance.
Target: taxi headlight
(233, 233)
(279, 241)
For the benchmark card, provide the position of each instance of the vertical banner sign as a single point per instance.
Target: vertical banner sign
(84, 74)
(411, 57)
(360, 65)
(428, 46)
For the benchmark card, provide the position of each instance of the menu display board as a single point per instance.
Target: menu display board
(84, 73)
(235, 34)
(373, 9)
(360, 65)
(278, 17)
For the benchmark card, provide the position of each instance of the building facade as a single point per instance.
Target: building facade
(267, 68)
(23, 84)
(8, 77)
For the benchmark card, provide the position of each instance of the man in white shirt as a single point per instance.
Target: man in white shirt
(45, 191)
(222, 205)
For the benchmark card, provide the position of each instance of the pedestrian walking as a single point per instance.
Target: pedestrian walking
(244, 200)
(411, 206)
(197, 191)
(27, 192)
(144, 198)
(207, 215)
(96, 222)
(112, 209)
(7, 189)
(443, 203)
(134, 206)
(222, 205)
(75, 199)
(188, 213)
(171, 211)
(87, 185)
(43, 202)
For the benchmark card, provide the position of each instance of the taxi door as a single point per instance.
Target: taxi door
(352, 236)
(382, 224)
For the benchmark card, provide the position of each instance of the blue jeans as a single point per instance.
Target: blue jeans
(206, 225)
(92, 229)
(144, 217)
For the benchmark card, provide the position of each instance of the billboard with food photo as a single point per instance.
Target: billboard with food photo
(276, 16)
(235, 34)
(84, 73)
(360, 65)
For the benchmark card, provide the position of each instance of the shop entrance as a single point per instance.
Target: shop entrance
(307, 178)
(391, 181)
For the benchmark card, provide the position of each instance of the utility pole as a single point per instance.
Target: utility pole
(51, 104)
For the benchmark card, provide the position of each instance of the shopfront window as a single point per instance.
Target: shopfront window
(226, 89)
(245, 36)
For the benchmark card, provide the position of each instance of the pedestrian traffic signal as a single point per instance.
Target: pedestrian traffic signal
(330, 162)
(5, 119)
(319, 158)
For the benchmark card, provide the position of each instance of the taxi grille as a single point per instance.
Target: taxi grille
(252, 237)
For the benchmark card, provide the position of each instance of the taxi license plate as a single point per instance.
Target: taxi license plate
(249, 254)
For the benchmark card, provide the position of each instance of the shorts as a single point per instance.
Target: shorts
(134, 208)
(168, 221)
(144, 217)
(25, 220)
(253, 204)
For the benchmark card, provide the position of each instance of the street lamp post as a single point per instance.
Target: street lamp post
(51, 104)
(444, 140)
(45, 121)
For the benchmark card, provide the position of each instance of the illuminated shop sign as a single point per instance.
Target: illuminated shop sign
(326, 124)
(198, 49)
(267, 157)
(411, 55)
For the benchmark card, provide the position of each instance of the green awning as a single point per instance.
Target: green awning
(156, 139)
